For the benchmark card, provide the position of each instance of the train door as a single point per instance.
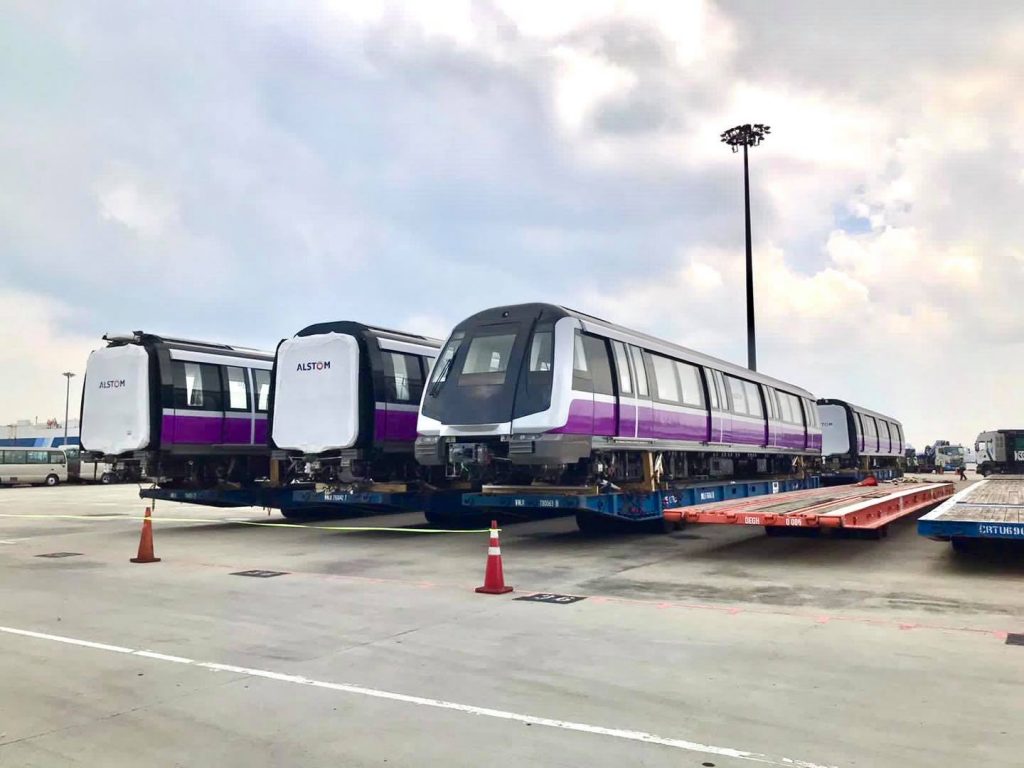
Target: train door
(644, 407)
(198, 415)
(771, 408)
(237, 406)
(626, 381)
(403, 376)
(606, 405)
(715, 406)
(725, 420)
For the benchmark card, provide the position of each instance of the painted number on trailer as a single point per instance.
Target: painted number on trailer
(707, 495)
(519, 502)
(752, 521)
(548, 503)
(794, 521)
(1018, 455)
(670, 499)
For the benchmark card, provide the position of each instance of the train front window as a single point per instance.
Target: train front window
(487, 360)
(444, 361)
(541, 351)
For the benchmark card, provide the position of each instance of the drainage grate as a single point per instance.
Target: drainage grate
(547, 597)
(260, 574)
(1014, 638)
(60, 554)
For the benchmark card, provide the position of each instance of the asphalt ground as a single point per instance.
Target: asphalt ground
(713, 645)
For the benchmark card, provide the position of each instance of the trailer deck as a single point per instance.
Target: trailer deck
(299, 501)
(868, 508)
(990, 509)
(631, 506)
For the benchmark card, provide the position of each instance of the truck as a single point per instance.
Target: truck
(1000, 452)
(940, 456)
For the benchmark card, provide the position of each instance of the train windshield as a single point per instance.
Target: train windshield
(493, 372)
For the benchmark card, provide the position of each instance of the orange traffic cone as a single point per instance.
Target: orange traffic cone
(870, 480)
(146, 542)
(494, 577)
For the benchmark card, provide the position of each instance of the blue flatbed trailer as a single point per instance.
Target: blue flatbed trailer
(624, 506)
(989, 509)
(305, 501)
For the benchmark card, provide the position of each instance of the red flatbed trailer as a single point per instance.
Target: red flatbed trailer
(865, 508)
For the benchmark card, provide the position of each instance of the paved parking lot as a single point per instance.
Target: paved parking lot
(710, 646)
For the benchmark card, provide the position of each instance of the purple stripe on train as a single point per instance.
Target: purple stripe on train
(599, 418)
(394, 425)
(202, 430)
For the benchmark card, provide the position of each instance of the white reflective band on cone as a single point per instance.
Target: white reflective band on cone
(493, 551)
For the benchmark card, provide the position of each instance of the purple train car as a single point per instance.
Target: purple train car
(344, 402)
(540, 392)
(193, 413)
(853, 435)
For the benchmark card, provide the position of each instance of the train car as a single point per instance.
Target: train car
(540, 393)
(344, 401)
(189, 413)
(857, 438)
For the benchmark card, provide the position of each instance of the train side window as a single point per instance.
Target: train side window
(753, 399)
(641, 372)
(886, 434)
(600, 364)
(689, 384)
(196, 385)
(723, 394)
(665, 382)
(785, 408)
(738, 395)
(262, 379)
(403, 377)
(622, 368)
(238, 388)
(581, 378)
(712, 389)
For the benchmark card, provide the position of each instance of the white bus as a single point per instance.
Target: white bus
(85, 470)
(29, 466)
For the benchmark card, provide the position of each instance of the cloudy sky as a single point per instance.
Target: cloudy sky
(236, 171)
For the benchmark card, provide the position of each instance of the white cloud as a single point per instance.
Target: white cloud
(145, 212)
(34, 351)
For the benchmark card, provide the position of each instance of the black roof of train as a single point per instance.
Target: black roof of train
(858, 409)
(351, 327)
(154, 339)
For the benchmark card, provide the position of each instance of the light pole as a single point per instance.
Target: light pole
(748, 136)
(67, 401)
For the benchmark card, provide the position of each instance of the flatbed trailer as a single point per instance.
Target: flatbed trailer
(863, 508)
(592, 506)
(992, 508)
(297, 502)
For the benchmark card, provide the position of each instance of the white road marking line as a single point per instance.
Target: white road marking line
(567, 725)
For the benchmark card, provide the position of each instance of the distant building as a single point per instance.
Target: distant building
(33, 434)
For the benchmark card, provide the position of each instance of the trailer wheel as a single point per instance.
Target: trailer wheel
(52, 480)
(106, 478)
(961, 545)
(592, 524)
